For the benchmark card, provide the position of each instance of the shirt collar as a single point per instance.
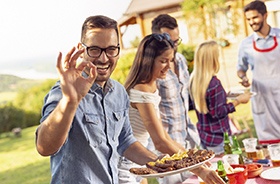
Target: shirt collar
(108, 85)
(271, 33)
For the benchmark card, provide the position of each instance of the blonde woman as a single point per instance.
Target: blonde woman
(152, 62)
(209, 97)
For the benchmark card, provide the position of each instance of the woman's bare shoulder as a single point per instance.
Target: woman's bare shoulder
(143, 87)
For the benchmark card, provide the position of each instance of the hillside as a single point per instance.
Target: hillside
(11, 83)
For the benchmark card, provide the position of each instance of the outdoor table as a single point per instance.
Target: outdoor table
(194, 179)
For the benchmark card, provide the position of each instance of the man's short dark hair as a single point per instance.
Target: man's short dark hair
(99, 21)
(163, 20)
(256, 5)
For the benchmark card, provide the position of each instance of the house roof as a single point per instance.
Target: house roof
(140, 6)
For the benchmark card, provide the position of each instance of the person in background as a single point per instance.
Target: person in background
(154, 56)
(210, 99)
(173, 89)
(83, 127)
(261, 51)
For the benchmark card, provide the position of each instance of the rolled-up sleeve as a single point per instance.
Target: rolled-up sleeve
(245, 53)
(50, 101)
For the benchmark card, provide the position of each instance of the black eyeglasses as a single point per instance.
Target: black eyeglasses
(178, 41)
(95, 51)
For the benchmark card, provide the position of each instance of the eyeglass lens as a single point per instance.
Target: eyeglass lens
(110, 52)
(178, 41)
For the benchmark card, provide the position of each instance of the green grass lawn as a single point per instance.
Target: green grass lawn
(20, 162)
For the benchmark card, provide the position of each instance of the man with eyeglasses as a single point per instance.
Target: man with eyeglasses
(85, 124)
(174, 105)
(261, 51)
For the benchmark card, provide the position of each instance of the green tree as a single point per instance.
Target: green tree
(121, 71)
(188, 51)
(206, 13)
(32, 99)
(134, 43)
(11, 117)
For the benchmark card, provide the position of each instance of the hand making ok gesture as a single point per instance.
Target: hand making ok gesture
(74, 86)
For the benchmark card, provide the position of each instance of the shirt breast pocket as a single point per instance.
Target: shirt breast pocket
(93, 129)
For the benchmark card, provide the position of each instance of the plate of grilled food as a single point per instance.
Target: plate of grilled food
(177, 163)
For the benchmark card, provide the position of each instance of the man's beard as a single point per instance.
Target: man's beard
(260, 27)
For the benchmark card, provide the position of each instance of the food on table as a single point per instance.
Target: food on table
(239, 174)
(177, 161)
(251, 167)
(238, 169)
(254, 169)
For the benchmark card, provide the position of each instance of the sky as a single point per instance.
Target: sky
(32, 29)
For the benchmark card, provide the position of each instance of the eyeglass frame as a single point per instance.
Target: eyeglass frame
(178, 41)
(102, 50)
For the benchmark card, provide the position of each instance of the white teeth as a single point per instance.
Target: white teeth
(102, 67)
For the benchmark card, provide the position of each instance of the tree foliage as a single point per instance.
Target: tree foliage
(123, 66)
(202, 13)
(134, 43)
(32, 98)
(10, 117)
(188, 52)
(25, 110)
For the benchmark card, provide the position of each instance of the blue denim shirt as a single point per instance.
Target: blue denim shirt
(100, 132)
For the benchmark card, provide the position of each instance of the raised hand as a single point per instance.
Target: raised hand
(73, 85)
(245, 82)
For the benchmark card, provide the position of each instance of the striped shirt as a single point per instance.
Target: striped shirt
(174, 103)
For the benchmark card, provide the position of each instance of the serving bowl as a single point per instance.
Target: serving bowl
(254, 169)
(238, 177)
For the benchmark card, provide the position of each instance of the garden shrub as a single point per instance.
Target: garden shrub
(188, 51)
(124, 64)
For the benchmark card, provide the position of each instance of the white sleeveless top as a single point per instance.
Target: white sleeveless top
(137, 125)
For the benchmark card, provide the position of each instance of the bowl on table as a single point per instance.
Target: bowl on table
(254, 169)
(239, 176)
